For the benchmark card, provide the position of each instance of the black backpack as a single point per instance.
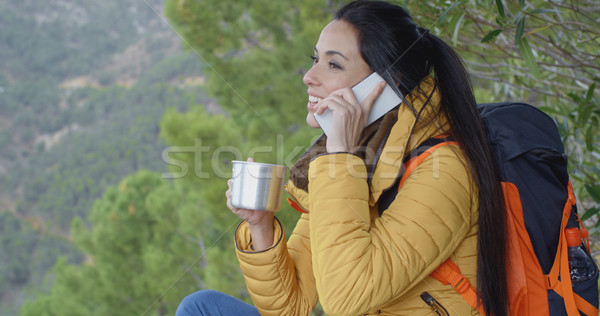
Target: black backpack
(529, 155)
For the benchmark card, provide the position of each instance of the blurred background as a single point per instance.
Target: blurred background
(119, 119)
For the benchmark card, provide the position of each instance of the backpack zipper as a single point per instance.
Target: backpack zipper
(436, 307)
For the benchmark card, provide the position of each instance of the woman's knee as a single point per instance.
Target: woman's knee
(196, 303)
(204, 296)
(209, 302)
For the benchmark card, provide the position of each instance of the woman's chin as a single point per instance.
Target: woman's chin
(310, 120)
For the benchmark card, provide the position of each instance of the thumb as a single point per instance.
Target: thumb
(250, 159)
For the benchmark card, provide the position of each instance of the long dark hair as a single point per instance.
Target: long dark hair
(401, 52)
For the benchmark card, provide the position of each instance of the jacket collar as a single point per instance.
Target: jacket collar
(407, 134)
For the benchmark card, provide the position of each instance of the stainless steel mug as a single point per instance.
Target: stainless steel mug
(257, 186)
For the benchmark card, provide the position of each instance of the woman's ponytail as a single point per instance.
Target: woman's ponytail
(459, 104)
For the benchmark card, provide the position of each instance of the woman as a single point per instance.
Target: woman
(342, 253)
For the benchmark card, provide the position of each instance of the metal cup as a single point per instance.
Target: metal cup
(257, 186)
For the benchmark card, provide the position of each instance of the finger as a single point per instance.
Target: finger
(347, 94)
(250, 159)
(234, 209)
(353, 108)
(332, 102)
(349, 97)
(322, 106)
(367, 104)
(332, 105)
(229, 206)
(339, 99)
(229, 183)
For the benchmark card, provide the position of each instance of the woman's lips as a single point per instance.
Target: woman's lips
(312, 103)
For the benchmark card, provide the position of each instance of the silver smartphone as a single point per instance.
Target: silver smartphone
(386, 101)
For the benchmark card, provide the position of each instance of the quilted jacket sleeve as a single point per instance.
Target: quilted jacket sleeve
(360, 265)
(280, 279)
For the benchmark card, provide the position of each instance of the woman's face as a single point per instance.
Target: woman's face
(337, 64)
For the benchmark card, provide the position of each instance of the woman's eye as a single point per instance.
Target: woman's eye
(333, 65)
(314, 59)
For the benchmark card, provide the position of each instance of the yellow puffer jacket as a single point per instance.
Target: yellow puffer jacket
(355, 262)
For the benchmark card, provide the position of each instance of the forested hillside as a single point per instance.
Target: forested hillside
(83, 86)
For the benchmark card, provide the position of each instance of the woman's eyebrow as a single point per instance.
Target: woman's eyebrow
(332, 52)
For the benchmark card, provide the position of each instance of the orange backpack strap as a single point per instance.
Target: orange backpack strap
(585, 306)
(524, 276)
(296, 206)
(412, 164)
(449, 273)
(562, 285)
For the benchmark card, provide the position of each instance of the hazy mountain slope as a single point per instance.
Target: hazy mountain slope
(82, 88)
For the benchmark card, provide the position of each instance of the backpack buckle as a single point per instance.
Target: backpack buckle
(460, 283)
(552, 282)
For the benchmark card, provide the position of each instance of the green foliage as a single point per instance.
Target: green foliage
(26, 253)
(269, 48)
(110, 146)
(62, 182)
(133, 254)
(53, 39)
(15, 235)
(540, 52)
(63, 141)
(145, 251)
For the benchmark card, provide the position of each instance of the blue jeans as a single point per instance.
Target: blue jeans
(213, 303)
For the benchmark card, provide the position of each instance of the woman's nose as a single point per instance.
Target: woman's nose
(309, 77)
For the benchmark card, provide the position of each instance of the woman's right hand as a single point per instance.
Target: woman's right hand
(260, 223)
(254, 218)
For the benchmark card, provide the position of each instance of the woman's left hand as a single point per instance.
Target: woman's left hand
(349, 117)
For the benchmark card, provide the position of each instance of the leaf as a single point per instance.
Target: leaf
(517, 17)
(590, 212)
(521, 3)
(584, 110)
(594, 191)
(575, 97)
(590, 92)
(520, 29)
(539, 29)
(552, 111)
(589, 138)
(527, 55)
(538, 11)
(444, 14)
(565, 110)
(500, 8)
(491, 35)
(500, 23)
(457, 28)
